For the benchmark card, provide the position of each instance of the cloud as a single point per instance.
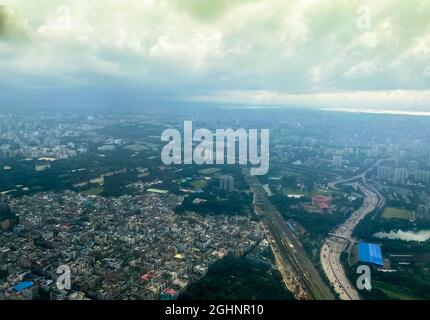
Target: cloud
(365, 68)
(396, 99)
(12, 27)
(208, 10)
(200, 46)
(2, 21)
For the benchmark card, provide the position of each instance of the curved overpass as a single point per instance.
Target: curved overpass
(342, 236)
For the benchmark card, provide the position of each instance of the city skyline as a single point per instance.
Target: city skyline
(214, 150)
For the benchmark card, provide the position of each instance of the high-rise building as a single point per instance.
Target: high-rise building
(5, 153)
(322, 203)
(337, 161)
(413, 166)
(4, 209)
(385, 173)
(423, 212)
(226, 183)
(422, 176)
(401, 175)
(7, 218)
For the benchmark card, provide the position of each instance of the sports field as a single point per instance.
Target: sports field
(209, 171)
(396, 213)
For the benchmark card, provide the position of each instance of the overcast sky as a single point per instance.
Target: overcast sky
(326, 53)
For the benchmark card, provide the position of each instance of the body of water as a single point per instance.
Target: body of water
(422, 235)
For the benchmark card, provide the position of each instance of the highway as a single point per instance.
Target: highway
(361, 176)
(342, 237)
(290, 250)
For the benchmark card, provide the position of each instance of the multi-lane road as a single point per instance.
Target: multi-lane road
(342, 237)
(292, 254)
(290, 250)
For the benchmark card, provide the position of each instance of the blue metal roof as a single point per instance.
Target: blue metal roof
(23, 285)
(369, 252)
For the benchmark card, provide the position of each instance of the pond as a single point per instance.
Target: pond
(420, 236)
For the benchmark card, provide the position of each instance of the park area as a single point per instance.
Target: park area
(396, 213)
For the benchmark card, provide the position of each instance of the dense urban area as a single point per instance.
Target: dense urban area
(88, 190)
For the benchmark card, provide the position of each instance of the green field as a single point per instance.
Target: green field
(94, 191)
(199, 184)
(209, 171)
(289, 190)
(153, 190)
(135, 147)
(395, 213)
(354, 254)
(395, 292)
(321, 191)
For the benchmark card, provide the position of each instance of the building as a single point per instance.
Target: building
(5, 152)
(169, 294)
(226, 183)
(7, 218)
(385, 173)
(322, 203)
(25, 290)
(58, 294)
(423, 212)
(370, 253)
(422, 176)
(4, 209)
(337, 161)
(401, 175)
(413, 166)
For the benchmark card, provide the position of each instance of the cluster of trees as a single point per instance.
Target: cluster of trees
(229, 203)
(115, 185)
(131, 131)
(399, 285)
(317, 225)
(63, 173)
(412, 280)
(217, 201)
(237, 279)
(3, 274)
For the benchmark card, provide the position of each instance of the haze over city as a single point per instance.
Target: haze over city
(215, 155)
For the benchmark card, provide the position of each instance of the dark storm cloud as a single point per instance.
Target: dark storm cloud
(10, 28)
(2, 21)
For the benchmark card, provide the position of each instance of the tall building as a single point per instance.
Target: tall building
(413, 166)
(401, 175)
(423, 212)
(385, 173)
(226, 183)
(4, 209)
(5, 153)
(7, 218)
(373, 152)
(337, 161)
(322, 203)
(422, 176)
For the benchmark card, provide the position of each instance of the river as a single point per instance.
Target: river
(420, 236)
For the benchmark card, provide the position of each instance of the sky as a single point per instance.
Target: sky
(342, 54)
